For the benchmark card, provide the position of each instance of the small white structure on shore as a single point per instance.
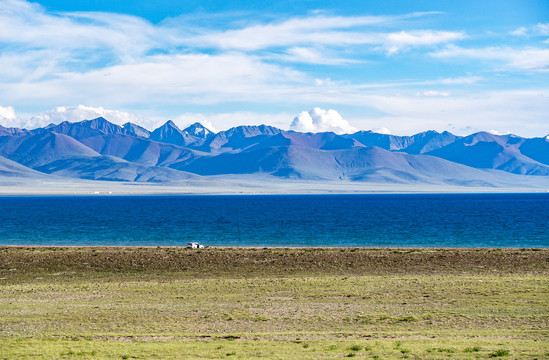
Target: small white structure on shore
(195, 245)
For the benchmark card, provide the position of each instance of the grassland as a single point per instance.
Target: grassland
(174, 303)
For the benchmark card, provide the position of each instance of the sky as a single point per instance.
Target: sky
(390, 66)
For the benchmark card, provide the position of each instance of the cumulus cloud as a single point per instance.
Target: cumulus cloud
(8, 117)
(7, 113)
(320, 120)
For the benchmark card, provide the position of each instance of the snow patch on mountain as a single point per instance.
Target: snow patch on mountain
(199, 130)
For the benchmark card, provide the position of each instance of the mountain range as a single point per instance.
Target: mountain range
(100, 150)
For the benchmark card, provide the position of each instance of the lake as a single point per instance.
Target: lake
(403, 220)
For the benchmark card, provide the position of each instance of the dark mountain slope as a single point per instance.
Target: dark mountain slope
(112, 169)
(239, 138)
(536, 149)
(36, 150)
(10, 168)
(136, 130)
(12, 131)
(137, 149)
(486, 151)
(415, 144)
(357, 164)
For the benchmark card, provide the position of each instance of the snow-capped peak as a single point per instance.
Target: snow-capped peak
(197, 129)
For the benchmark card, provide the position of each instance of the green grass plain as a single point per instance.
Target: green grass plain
(251, 303)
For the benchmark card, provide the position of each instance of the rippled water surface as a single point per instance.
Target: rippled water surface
(448, 220)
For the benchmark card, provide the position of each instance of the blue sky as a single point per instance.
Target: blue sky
(402, 66)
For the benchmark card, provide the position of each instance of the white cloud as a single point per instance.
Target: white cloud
(464, 80)
(214, 122)
(192, 78)
(433, 93)
(497, 132)
(7, 116)
(324, 31)
(531, 58)
(536, 30)
(80, 113)
(128, 38)
(542, 29)
(520, 112)
(313, 56)
(7, 113)
(383, 130)
(224, 121)
(208, 125)
(315, 29)
(320, 120)
(107, 59)
(29, 25)
(397, 41)
(519, 32)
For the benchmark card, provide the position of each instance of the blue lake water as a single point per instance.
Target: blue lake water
(416, 220)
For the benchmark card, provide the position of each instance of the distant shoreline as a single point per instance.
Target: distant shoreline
(232, 247)
(243, 185)
(242, 193)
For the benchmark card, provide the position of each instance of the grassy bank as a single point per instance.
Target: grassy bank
(173, 303)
